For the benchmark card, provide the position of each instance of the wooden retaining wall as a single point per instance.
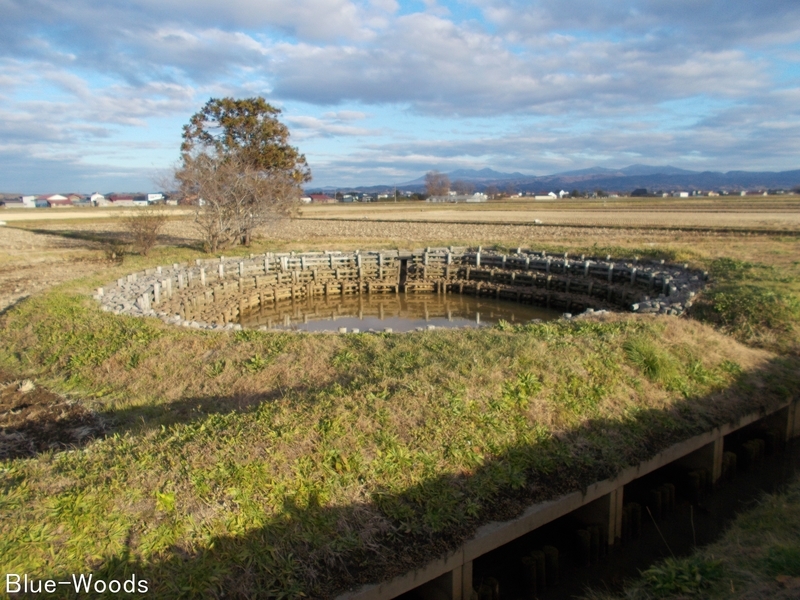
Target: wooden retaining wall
(451, 575)
(218, 291)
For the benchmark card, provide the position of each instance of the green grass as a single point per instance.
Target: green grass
(756, 303)
(300, 464)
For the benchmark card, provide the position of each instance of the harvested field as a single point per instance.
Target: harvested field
(303, 234)
(748, 214)
(30, 262)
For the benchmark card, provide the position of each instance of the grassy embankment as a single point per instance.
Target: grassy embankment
(300, 464)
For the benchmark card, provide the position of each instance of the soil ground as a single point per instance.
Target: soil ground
(34, 419)
(766, 213)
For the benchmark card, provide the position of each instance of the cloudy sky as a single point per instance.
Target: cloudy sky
(93, 93)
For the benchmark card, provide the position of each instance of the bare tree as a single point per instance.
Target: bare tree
(234, 198)
(143, 228)
(436, 183)
(239, 169)
(463, 187)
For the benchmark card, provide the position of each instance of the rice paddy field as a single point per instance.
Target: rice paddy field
(269, 464)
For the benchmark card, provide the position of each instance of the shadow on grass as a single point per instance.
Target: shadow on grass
(118, 239)
(306, 549)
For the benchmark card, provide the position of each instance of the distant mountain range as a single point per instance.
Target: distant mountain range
(653, 178)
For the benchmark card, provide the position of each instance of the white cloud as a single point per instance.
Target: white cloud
(305, 127)
(549, 83)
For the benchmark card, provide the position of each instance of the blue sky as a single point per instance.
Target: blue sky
(93, 95)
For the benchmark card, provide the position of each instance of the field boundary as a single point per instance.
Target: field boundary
(766, 232)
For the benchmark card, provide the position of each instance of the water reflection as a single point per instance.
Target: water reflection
(398, 312)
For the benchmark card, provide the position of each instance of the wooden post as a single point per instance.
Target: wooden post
(708, 457)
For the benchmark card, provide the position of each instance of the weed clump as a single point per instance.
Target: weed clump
(757, 304)
(687, 576)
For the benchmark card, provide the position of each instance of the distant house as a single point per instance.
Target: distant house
(79, 200)
(121, 199)
(563, 193)
(476, 197)
(549, 196)
(98, 199)
(321, 199)
(58, 201)
(19, 202)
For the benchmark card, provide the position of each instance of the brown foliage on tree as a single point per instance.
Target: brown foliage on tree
(436, 183)
(463, 188)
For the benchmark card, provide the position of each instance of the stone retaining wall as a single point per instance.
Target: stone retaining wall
(212, 293)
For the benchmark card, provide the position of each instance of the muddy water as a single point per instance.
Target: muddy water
(399, 312)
